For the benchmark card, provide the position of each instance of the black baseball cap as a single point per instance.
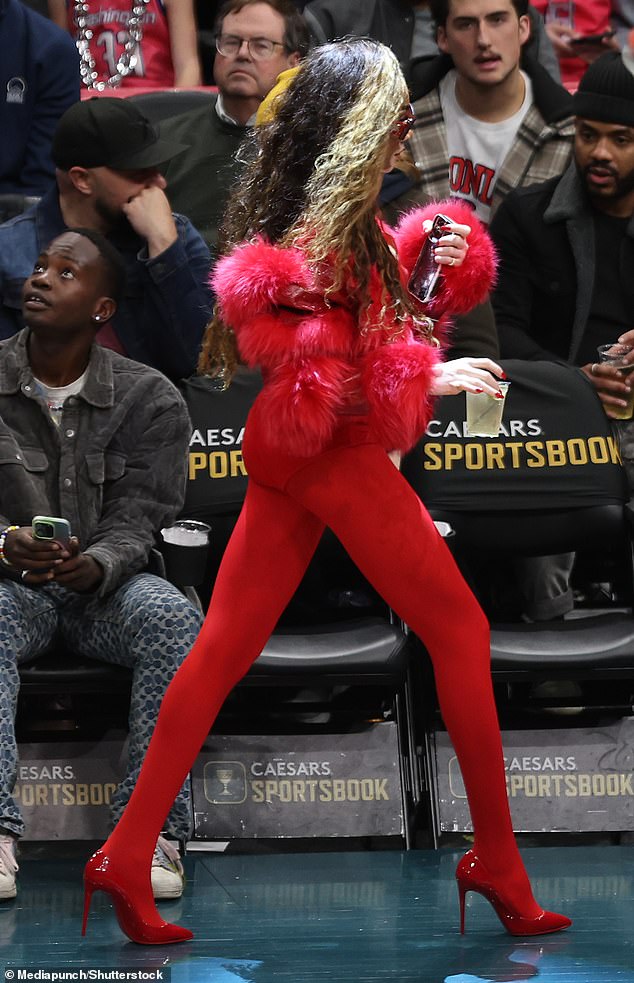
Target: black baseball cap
(109, 132)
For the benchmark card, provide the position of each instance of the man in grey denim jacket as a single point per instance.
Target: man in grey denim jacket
(101, 441)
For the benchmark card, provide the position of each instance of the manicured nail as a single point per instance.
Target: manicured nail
(503, 374)
(478, 390)
(499, 395)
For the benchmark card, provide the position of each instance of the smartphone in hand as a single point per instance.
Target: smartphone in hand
(424, 279)
(49, 527)
(594, 40)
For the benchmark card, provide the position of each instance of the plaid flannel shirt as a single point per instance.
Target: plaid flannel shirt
(539, 151)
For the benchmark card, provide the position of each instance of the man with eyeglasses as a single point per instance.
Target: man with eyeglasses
(255, 41)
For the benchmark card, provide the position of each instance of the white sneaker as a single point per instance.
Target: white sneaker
(8, 867)
(168, 876)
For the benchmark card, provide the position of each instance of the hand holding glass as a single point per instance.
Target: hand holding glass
(616, 355)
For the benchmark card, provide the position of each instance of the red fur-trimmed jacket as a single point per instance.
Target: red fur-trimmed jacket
(312, 352)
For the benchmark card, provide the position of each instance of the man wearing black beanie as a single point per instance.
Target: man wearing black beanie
(565, 280)
(566, 246)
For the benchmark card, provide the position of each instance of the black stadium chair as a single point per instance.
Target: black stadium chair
(14, 204)
(163, 103)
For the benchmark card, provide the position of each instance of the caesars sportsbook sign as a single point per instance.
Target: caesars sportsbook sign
(555, 441)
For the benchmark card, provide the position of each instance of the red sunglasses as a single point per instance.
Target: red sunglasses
(403, 126)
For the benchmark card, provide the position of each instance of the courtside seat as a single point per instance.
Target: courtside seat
(368, 648)
(163, 103)
(14, 204)
(61, 672)
(589, 646)
(366, 651)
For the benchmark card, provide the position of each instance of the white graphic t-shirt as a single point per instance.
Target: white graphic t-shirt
(56, 395)
(476, 149)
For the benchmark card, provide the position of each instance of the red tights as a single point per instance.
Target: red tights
(355, 489)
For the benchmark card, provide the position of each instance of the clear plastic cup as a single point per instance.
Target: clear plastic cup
(484, 413)
(615, 354)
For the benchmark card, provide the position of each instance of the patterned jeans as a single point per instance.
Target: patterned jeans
(146, 624)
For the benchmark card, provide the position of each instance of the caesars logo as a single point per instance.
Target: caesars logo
(57, 785)
(519, 449)
(222, 456)
(287, 781)
(536, 777)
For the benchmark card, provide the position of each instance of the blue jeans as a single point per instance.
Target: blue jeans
(146, 624)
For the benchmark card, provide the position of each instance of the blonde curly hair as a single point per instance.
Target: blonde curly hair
(314, 177)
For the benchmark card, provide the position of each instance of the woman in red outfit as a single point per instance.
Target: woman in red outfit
(312, 289)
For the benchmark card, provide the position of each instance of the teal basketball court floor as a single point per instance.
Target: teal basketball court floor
(346, 917)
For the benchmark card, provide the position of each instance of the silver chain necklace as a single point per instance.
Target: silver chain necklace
(127, 61)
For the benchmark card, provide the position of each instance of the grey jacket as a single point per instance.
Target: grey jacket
(115, 467)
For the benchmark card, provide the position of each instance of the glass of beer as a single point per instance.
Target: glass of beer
(615, 355)
(484, 413)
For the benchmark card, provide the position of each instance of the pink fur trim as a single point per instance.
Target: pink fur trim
(300, 402)
(397, 379)
(256, 277)
(465, 286)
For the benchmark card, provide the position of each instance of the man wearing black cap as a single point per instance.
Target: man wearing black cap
(566, 251)
(107, 155)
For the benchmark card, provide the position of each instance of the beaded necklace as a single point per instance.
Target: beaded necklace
(128, 59)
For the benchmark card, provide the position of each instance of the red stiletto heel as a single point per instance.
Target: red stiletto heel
(87, 899)
(472, 875)
(99, 875)
(462, 893)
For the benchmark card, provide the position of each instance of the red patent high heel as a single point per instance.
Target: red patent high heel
(146, 928)
(472, 875)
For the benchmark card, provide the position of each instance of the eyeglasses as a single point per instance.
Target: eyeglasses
(403, 125)
(259, 48)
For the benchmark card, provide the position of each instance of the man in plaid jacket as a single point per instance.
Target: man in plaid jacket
(486, 125)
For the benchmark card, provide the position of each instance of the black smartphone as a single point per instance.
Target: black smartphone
(424, 278)
(594, 39)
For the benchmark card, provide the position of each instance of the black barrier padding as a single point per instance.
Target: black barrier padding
(557, 449)
(217, 479)
(217, 484)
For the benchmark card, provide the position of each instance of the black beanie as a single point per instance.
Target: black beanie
(606, 91)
